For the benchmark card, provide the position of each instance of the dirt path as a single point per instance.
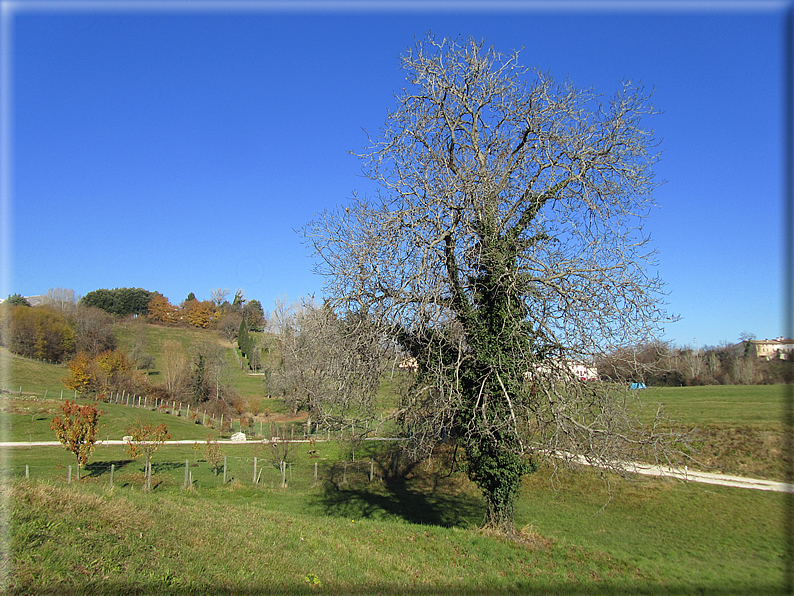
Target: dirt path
(710, 478)
(688, 475)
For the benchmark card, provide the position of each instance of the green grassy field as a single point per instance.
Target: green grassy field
(345, 534)
(738, 429)
(28, 419)
(760, 406)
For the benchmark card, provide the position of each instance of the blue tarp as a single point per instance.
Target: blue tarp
(638, 386)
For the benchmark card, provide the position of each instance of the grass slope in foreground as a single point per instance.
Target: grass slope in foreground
(654, 537)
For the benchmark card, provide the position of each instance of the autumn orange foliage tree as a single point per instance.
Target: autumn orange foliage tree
(40, 332)
(161, 310)
(199, 314)
(81, 373)
(99, 373)
(76, 429)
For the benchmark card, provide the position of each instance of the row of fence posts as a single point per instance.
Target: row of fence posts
(125, 398)
(142, 401)
(188, 482)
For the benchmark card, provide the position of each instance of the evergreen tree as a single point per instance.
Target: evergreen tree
(243, 338)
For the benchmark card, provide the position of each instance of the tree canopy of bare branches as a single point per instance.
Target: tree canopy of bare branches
(330, 366)
(506, 242)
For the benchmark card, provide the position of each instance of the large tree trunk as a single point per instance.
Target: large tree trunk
(497, 470)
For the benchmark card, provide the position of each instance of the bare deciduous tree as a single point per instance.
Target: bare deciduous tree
(330, 366)
(93, 330)
(506, 242)
(229, 324)
(64, 299)
(175, 367)
(218, 295)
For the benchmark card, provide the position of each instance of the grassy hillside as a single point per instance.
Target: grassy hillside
(653, 537)
(737, 428)
(153, 338)
(32, 376)
(44, 379)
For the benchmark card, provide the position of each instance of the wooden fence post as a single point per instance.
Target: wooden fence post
(112, 469)
(254, 481)
(224, 469)
(315, 472)
(27, 472)
(69, 476)
(371, 469)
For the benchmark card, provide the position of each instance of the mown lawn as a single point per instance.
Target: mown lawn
(737, 429)
(729, 405)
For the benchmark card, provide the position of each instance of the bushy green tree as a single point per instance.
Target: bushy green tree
(119, 301)
(254, 315)
(17, 300)
(243, 338)
(100, 298)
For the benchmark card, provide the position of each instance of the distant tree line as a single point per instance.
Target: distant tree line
(661, 364)
(217, 313)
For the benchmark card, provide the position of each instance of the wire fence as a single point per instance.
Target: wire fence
(257, 429)
(257, 472)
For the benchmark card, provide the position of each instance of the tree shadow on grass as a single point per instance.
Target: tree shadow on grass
(99, 468)
(162, 467)
(437, 502)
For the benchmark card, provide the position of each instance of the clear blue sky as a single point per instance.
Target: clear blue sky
(178, 150)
